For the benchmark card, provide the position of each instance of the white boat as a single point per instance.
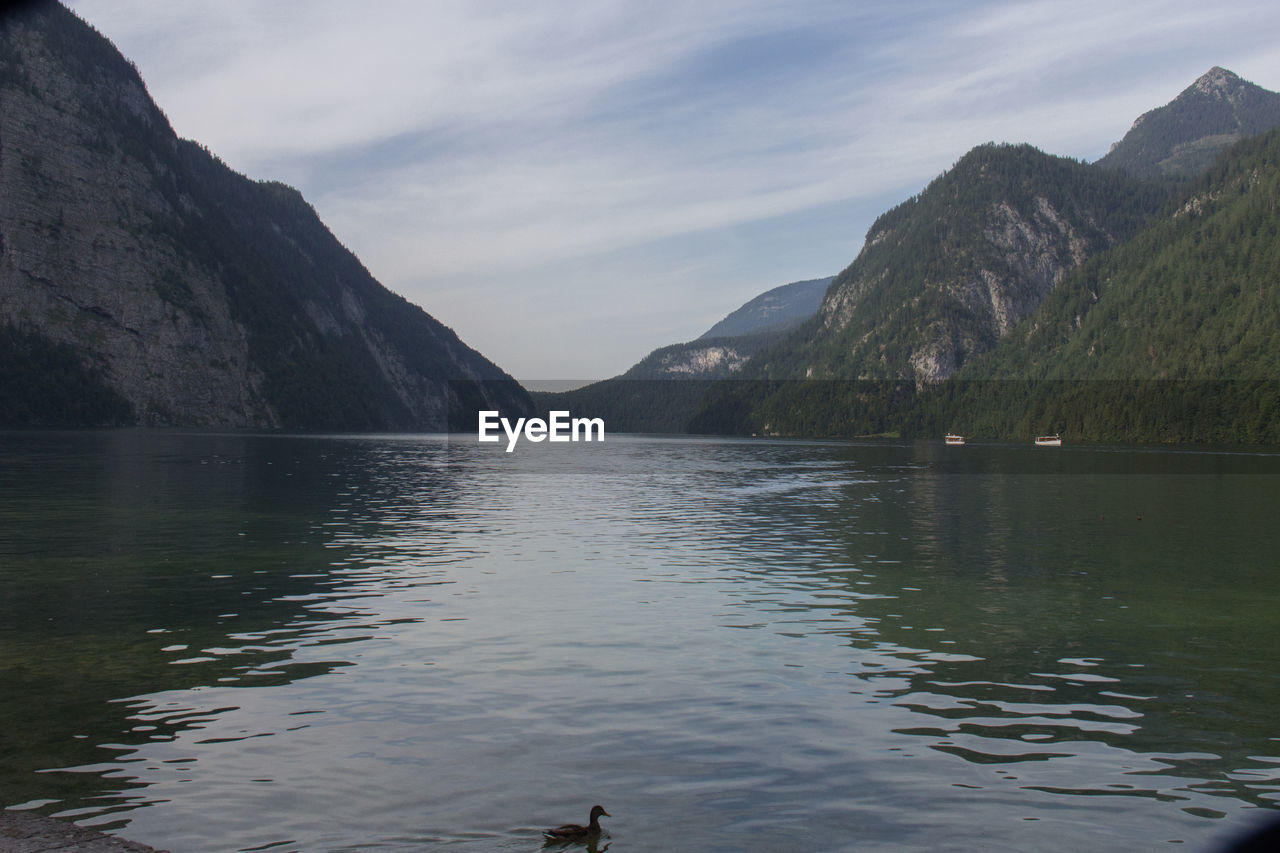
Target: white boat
(955, 439)
(1048, 441)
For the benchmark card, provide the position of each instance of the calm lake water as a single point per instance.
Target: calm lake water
(247, 642)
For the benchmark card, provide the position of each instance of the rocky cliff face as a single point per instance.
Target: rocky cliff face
(82, 263)
(712, 358)
(198, 296)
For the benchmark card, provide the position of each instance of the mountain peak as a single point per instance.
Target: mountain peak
(1185, 135)
(1217, 81)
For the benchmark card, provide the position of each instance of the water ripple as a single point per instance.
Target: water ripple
(405, 642)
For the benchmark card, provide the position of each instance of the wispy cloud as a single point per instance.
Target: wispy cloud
(536, 173)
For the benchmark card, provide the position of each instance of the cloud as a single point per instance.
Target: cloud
(484, 158)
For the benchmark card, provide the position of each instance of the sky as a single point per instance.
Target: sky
(570, 184)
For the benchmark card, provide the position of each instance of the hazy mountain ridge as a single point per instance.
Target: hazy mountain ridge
(722, 350)
(195, 295)
(662, 391)
(774, 310)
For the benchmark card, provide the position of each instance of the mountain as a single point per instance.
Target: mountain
(968, 282)
(1183, 137)
(722, 350)
(704, 358)
(1193, 296)
(664, 390)
(142, 281)
(943, 276)
(774, 310)
(1172, 337)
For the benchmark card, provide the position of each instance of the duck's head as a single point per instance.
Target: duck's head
(598, 811)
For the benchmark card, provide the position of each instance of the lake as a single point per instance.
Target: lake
(337, 643)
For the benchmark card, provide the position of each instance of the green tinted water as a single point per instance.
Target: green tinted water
(215, 643)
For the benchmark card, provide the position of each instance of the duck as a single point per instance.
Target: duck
(576, 831)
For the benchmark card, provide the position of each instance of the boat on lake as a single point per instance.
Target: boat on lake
(955, 439)
(1048, 441)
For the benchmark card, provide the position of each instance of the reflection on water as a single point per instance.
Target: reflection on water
(351, 643)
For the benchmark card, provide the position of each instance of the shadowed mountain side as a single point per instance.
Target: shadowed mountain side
(179, 291)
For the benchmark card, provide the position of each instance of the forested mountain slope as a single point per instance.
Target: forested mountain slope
(943, 276)
(1172, 337)
(1195, 295)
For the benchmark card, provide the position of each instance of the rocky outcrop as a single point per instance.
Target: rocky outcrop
(689, 361)
(200, 297)
(25, 832)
